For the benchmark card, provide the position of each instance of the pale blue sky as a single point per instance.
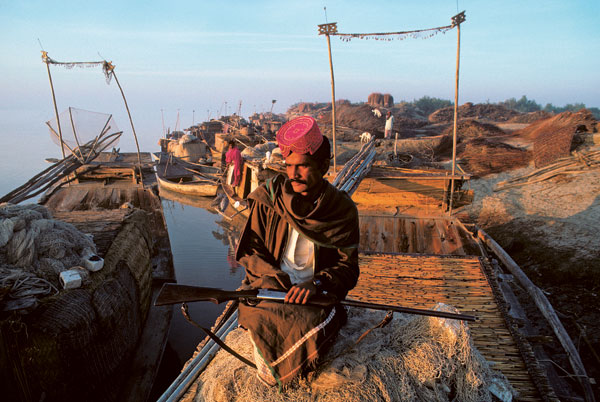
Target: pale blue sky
(196, 55)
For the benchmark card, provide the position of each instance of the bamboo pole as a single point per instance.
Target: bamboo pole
(332, 105)
(327, 29)
(45, 59)
(102, 132)
(66, 145)
(454, 133)
(112, 70)
(75, 132)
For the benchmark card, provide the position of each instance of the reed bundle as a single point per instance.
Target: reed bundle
(356, 168)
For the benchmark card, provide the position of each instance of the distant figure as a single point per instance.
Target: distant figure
(234, 157)
(389, 123)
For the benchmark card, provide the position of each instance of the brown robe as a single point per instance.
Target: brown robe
(331, 223)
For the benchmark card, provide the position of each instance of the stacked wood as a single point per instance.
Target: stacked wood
(43, 180)
(58, 174)
(356, 169)
(578, 162)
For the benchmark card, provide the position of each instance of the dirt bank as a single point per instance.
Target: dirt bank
(550, 230)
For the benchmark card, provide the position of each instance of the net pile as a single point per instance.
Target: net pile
(413, 358)
(35, 249)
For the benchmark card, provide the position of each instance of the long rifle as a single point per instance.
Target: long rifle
(172, 294)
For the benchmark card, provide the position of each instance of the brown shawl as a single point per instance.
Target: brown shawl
(332, 224)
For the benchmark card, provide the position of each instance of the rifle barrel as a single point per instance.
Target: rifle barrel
(173, 293)
(408, 310)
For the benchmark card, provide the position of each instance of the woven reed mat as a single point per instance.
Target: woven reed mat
(422, 281)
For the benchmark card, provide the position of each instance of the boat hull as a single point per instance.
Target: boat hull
(195, 187)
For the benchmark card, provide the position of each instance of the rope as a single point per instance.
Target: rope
(23, 284)
(401, 35)
(388, 36)
(81, 64)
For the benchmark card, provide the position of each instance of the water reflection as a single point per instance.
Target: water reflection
(203, 243)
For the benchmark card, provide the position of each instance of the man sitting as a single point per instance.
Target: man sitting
(302, 238)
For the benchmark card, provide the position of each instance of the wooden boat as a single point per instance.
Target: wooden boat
(253, 174)
(170, 162)
(428, 259)
(175, 175)
(191, 185)
(103, 341)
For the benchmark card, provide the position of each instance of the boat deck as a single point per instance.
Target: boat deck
(410, 191)
(101, 207)
(409, 234)
(421, 281)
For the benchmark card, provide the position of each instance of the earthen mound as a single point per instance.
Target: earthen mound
(364, 118)
(531, 117)
(482, 111)
(469, 129)
(377, 99)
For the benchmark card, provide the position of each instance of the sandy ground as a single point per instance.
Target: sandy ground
(565, 210)
(551, 230)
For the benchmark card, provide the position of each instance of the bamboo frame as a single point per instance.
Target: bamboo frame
(327, 29)
(331, 29)
(137, 145)
(45, 60)
(457, 19)
(75, 133)
(108, 66)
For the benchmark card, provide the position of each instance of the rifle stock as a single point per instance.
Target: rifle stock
(173, 294)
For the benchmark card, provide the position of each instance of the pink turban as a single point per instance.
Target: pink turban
(300, 135)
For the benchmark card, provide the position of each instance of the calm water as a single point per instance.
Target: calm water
(202, 243)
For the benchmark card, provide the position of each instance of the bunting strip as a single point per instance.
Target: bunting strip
(106, 67)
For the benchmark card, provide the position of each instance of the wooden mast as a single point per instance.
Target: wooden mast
(111, 67)
(45, 59)
(456, 20)
(327, 29)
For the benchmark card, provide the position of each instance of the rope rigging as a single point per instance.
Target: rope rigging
(331, 29)
(107, 67)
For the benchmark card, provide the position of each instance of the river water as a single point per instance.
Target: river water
(203, 243)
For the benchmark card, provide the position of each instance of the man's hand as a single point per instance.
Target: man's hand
(301, 293)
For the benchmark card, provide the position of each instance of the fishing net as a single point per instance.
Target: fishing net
(83, 131)
(35, 249)
(413, 358)
(77, 344)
